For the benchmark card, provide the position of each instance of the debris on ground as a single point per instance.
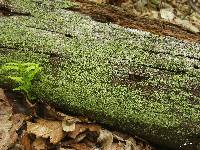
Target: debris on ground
(185, 13)
(54, 129)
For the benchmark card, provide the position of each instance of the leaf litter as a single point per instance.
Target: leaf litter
(46, 128)
(185, 13)
(9, 123)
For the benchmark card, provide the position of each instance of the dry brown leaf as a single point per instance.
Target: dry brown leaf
(120, 136)
(8, 135)
(48, 111)
(195, 19)
(18, 120)
(167, 14)
(52, 113)
(70, 119)
(61, 148)
(90, 143)
(39, 144)
(140, 4)
(46, 129)
(106, 139)
(68, 127)
(131, 144)
(186, 24)
(98, 1)
(80, 146)
(6, 109)
(2, 2)
(154, 14)
(79, 137)
(80, 128)
(85, 138)
(26, 142)
(117, 146)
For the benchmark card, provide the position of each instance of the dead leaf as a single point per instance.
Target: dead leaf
(117, 146)
(26, 142)
(120, 136)
(106, 139)
(47, 111)
(80, 128)
(90, 143)
(140, 4)
(6, 109)
(61, 148)
(154, 14)
(167, 14)
(131, 144)
(8, 135)
(70, 119)
(46, 129)
(80, 137)
(50, 112)
(99, 1)
(195, 19)
(186, 24)
(80, 146)
(2, 2)
(39, 144)
(18, 120)
(67, 127)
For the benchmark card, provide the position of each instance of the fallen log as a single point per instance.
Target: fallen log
(141, 83)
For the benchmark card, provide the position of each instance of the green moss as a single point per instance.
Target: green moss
(35, 7)
(87, 72)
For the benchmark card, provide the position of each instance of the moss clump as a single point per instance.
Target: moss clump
(145, 84)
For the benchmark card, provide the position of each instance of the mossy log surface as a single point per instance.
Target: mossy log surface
(142, 83)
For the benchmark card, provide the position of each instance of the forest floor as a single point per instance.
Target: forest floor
(39, 126)
(180, 19)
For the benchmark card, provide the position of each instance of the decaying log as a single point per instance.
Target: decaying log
(139, 82)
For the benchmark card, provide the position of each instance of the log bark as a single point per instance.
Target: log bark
(136, 81)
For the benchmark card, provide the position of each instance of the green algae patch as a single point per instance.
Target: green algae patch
(141, 83)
